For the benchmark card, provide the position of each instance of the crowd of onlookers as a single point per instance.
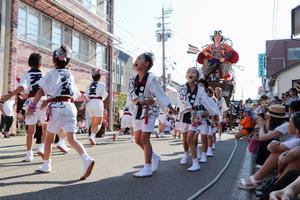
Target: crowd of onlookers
(272, 126)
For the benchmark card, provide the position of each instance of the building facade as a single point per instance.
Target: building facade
(281, 55)
(43, 25)
(121, 72)
(286, 79)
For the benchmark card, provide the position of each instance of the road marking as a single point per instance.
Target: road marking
(197, 194)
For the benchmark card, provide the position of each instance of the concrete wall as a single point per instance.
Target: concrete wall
(284, 80)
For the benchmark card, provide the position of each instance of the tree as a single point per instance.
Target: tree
(119, 105)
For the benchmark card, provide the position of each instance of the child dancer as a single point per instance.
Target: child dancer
(95, 94)
(59, 85)
(191, 99)
(143, 88)
(206, 130)
(222, 107)
(29, 86)
(178, 125)
(126, 122)
(213, 124)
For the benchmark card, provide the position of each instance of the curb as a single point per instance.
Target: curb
(245, 171)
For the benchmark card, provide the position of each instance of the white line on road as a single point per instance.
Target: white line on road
(197, 194)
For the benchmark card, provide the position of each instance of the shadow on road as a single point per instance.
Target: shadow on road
(171, 181)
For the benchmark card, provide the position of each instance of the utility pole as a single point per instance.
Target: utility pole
(163, 50)
(162, 36)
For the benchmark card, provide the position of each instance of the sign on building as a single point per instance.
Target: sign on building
(261, 65)
(295, 21)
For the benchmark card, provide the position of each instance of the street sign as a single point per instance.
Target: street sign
(295, 21)
(261, 65)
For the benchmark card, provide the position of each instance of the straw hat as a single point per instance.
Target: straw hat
(277, 111)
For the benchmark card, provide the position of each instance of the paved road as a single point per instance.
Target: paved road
(112, 177)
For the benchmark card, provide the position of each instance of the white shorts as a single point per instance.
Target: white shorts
(162, 118)
(211, 130)
(94, 108)
(184, 127)
(38, 115)
(194, 129)
(204, 129)
(178, 125)
(126, 121)
(140, 124)
(187, 127)
(65, 118)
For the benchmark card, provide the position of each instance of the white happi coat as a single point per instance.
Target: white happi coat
(152, 89)
(60, 83)
(29, 81)
(222, 107)
(201, 99)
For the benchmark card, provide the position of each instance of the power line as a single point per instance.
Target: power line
(135, 37)
(274, 25)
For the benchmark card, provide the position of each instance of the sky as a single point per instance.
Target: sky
(247, 23)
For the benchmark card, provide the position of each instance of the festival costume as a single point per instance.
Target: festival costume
(29, 82)
(144, 116)
(199, 102)
(212, 64)
(60, 87)
(96, 94)
(126, 119)
(223, 108)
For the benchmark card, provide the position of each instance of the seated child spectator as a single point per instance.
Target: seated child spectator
(247, 124)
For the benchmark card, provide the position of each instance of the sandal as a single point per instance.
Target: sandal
(248, 184)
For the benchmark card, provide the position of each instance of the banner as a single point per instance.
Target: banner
(261, 65)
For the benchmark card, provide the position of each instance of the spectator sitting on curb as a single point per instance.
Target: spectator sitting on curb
(276, 148)
(291, 191)
(288, 162)
(281, 131)
(247, 124)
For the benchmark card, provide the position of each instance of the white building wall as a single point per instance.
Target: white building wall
(284, 80)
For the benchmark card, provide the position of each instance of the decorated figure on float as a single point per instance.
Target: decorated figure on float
(216, 58)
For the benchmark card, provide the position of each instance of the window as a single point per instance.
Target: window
(46, 31)
(56, 35)
(119, 65)
(37, 28)
(122, 67)
(294, 53)
(113, 71)
(76, 45)
(99, 52)
(118, 71)
(92, 5)
(33, 25)
(106, 10)
(105, 58)
(84, 48)
(22, 15)
(92, 53)
(67, 37)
